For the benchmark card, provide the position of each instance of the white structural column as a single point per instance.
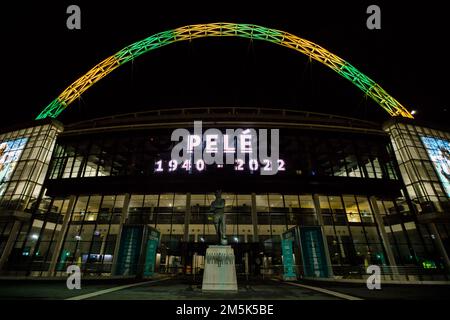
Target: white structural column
(324, 239)
(187, 217)
(123, 219)
(246, 258)
(254, 219)
(61, 235)
(438, 241)
(383, 234)
(10, 243)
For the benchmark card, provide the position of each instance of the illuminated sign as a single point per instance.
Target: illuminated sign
(313, 252)
(10, 152)
(244, 149)
(288, 259)
(439, 153)
(429, 264)
(199, 165)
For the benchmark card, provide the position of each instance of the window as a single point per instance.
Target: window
(351, 209)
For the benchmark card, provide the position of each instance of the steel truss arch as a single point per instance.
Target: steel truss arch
(250, 31)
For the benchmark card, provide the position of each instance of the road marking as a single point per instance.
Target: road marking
(98, 293)
(326, 291)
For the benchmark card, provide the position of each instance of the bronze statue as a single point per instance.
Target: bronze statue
(218, 211)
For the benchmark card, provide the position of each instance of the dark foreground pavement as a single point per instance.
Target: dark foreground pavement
(390, 291)
(178, 289)
(174, 290)
(171, 289)
(48, 290)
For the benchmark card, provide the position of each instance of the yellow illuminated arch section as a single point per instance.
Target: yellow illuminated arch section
(250, 31)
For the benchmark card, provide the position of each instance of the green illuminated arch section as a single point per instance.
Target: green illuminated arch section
(250, 31)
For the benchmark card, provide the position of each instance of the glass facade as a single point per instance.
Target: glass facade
(305, 154)
(351, 233)
(419, 173)
(423, 155)
(24, 159)
(344, 183)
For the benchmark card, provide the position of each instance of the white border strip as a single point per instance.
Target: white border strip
(98, 293)
(329, 292)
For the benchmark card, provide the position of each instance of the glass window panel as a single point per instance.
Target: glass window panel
(336, 204)
(76, 167)
(166, 203)
(68, 168)
(136, 202)
(198, 200)
(351, 209)
(94, 203)
(87, 232)
(180, 203)
(291, 201)
(377, 167)
(118, 203)
(262, 209)
(372, 234)
(230, 201)
(262, 204)
(57, 205)
(80, 208)
(324, 205)
(276, 201)
(151, 200)
(365, 209)
(244, 200)
(307, 204)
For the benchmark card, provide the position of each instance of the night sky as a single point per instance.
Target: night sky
(41, 57)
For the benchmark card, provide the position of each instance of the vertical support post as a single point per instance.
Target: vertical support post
(384, 236)
(10, 243)
(187, 218)
(142, 253)
(62, 234)
(317, 209)
(440, 245)
(319, 217)
(246, 259)
(187, 221)
(254, 219)
(123, 219)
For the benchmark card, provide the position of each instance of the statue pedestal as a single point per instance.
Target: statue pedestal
(220, 270)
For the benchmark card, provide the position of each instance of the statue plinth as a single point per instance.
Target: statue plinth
(220, 270)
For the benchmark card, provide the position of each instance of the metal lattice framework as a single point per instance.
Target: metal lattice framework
(250, 31)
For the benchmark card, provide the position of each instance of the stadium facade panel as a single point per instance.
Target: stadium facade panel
(79, 195)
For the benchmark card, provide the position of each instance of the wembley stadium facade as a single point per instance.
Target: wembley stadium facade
(108, 196)
(101, 185)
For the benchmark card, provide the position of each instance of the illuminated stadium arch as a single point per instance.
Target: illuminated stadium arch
(250, 31)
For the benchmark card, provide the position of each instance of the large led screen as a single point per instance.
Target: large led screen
(439, 152)
(10, 152)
